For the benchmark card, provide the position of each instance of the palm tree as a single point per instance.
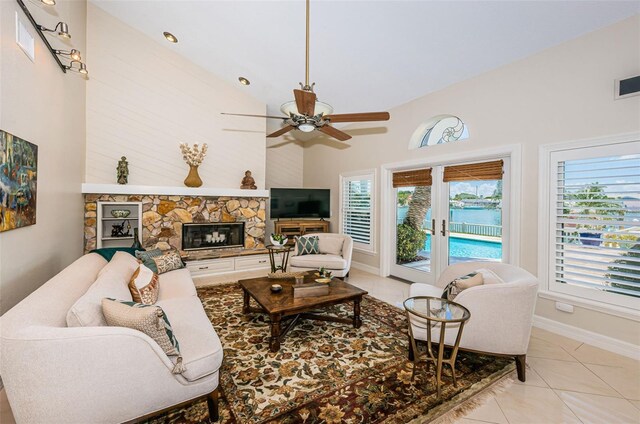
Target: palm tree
(418, 207)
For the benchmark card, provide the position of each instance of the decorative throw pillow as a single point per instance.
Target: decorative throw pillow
(144, 286)
(307, 245)
(149, 319)
(462, 283)
(168, 261)
(146, 258)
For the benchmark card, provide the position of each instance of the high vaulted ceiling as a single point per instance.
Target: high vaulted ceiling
(365, 55)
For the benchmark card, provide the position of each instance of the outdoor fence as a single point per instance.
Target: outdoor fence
(474, 229)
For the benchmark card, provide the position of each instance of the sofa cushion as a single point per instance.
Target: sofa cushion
(200, 346)
(144, 286)
(318, 261)
(175, 284)
(307, 245)
(112, 281)
(331, 244)
(490, 277)
(462, 283)
(145, 257)
(152, 320)
(108, 252)
(168, 261)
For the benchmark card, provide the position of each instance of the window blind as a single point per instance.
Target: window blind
(474, 171)
(357, 208)
(597, 224)
(415, 178)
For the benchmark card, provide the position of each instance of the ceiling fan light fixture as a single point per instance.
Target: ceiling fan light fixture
(321, 108)
(306, 127)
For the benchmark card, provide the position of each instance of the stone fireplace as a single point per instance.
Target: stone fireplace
(163, 217)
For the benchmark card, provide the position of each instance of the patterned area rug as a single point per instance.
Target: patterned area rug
(329, 372)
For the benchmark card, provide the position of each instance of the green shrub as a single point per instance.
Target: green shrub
(631, 258)
(410, 242)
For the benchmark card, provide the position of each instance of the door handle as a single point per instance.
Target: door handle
(444, 228)
(433, 227)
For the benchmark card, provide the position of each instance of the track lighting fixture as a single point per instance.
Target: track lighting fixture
(73, 54)
(48, 2)
(82, 68)
(61, 28)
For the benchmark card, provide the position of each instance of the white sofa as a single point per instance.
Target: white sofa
(55, 373)
(501, 314)
(335, 255)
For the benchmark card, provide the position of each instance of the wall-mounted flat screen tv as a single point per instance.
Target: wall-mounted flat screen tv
(300, 203)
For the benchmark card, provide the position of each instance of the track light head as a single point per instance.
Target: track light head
(48, 2)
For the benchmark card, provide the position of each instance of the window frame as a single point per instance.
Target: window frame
(368, 174)
(549, 156)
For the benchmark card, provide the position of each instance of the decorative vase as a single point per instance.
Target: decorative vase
(193, 179)
(136, 240)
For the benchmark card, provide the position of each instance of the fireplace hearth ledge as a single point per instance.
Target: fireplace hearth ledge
(90, 188)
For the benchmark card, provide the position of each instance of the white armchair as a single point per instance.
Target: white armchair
(335, 255)
(501, 314)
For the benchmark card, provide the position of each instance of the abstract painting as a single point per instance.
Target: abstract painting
(18, 182)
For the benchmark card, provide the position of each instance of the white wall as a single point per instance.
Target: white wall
(563, 93)
(144, 98)
(44, 106)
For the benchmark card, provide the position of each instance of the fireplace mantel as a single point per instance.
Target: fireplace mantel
(89, 188)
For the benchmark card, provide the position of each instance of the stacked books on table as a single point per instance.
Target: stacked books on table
(310, 290)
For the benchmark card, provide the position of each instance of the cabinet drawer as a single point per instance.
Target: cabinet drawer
(210, 266)
(252, 262)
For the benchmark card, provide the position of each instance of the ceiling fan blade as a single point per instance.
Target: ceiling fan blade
(255, 116)
(305, 101)
(358, 117)
(281, 131)
(329, 130)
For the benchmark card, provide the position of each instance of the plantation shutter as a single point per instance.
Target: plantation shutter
(474, 171)
(357, 208)
(415, 178)
(596, 204)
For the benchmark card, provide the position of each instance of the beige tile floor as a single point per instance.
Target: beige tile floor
(567, 381)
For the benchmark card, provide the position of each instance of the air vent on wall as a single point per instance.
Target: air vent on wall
(627, 87)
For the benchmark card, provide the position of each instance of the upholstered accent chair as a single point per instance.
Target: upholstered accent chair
(335, 255)
(501, 314)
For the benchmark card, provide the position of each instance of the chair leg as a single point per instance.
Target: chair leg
(521, 361)
(212, 403)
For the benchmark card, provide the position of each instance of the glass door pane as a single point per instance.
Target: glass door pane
(413, 231)
(475, 221)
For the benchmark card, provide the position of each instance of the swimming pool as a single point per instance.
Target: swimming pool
(469, 248)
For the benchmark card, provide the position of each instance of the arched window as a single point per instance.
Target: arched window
(440, 129)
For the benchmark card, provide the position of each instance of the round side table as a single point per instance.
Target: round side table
(274, 250)
(429, 312)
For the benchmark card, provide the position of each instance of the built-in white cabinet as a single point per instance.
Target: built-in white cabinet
(110, 215)
(206, 267)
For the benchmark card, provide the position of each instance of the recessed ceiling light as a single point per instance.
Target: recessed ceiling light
(170, 37)
(244, 81)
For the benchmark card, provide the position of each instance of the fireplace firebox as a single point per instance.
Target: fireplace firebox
(214, 235)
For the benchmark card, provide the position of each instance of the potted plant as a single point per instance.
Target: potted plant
(278, 240)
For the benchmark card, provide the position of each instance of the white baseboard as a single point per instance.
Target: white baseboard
(366, 268)
(585, 336)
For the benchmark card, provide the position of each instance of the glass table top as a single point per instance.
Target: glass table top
(433, 308)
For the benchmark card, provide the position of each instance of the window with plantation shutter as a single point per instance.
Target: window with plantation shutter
(357, 209)
(595, 223)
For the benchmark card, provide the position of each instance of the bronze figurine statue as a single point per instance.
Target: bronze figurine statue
(123, 171)
(248, 183)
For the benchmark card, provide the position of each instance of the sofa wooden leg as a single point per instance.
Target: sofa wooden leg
(212, 403)
(521, 364)
(411, 353)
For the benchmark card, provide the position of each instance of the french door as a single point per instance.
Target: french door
(445, 214)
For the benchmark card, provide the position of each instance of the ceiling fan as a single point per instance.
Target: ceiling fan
(307, 114)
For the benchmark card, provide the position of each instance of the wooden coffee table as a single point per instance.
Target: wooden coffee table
(280, 306)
